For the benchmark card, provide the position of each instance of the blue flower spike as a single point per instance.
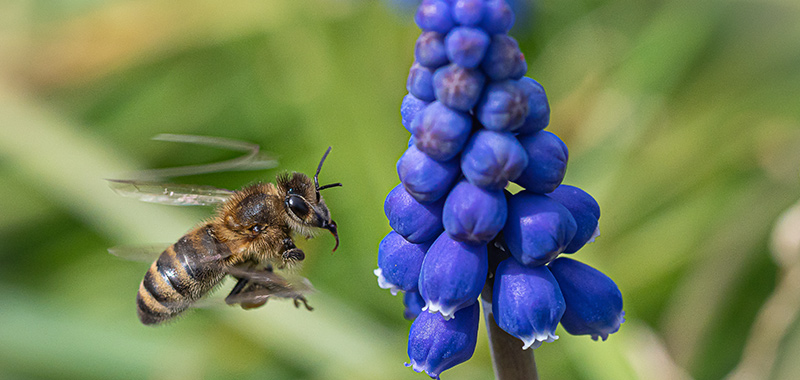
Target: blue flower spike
(426, 179)
(452, 276)
(594, 303)
(491, 159)
(458, 87)
(538, 228)
(474, 215)
(527, 303)
(478, 123)
(547, 162)
(399, 263)
(436, 344)
(416, 222)
(441, 132)
(584, 209)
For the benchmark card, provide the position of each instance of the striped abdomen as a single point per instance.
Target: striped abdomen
(183, 273)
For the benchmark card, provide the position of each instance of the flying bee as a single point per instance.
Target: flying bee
(250, 235)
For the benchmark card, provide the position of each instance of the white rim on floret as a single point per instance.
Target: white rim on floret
(536, 339)
(604, 335)
(384, 284)
(447, 312)
(422, 367)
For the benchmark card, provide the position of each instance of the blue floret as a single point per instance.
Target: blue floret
(452, 275)
(416, 222)
(409, 108)
(414, 304)
(527, 302)
(466, 46)
(503, 59)
(399, 263)
(468, 12)
(584, 209)
(420, 82)
(538, 107)
(498, 17)
(491, 159)
(503, 106)
(434, 15)
(538, 228)
(430, 50)
(441, 132)
(458, 87)
(547, 162)
(474, 215)
(426, 179)
(436, 344)
(594, 303)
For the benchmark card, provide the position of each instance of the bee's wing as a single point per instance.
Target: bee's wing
(253, 159)
(170, 194)
(142, 253)
(150, 252)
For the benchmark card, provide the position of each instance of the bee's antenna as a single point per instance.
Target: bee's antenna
(319, 167)
(329, 186)
(316, 180)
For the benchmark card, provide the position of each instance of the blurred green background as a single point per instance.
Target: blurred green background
(682, 118)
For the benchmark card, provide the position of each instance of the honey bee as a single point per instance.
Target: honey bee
(250, 235)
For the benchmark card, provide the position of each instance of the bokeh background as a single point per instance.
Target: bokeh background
(682, 118)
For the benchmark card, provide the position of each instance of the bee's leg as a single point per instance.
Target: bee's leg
(291, 254)
(302, 299)
(249, 293)
(240, 285)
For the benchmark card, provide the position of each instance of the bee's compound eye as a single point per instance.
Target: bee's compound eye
(298, 206)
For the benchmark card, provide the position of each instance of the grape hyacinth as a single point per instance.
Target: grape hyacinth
(477, 124)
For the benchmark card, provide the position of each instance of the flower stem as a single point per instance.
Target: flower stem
(509, 360)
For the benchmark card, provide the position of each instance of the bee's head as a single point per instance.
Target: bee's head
(304, 204)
